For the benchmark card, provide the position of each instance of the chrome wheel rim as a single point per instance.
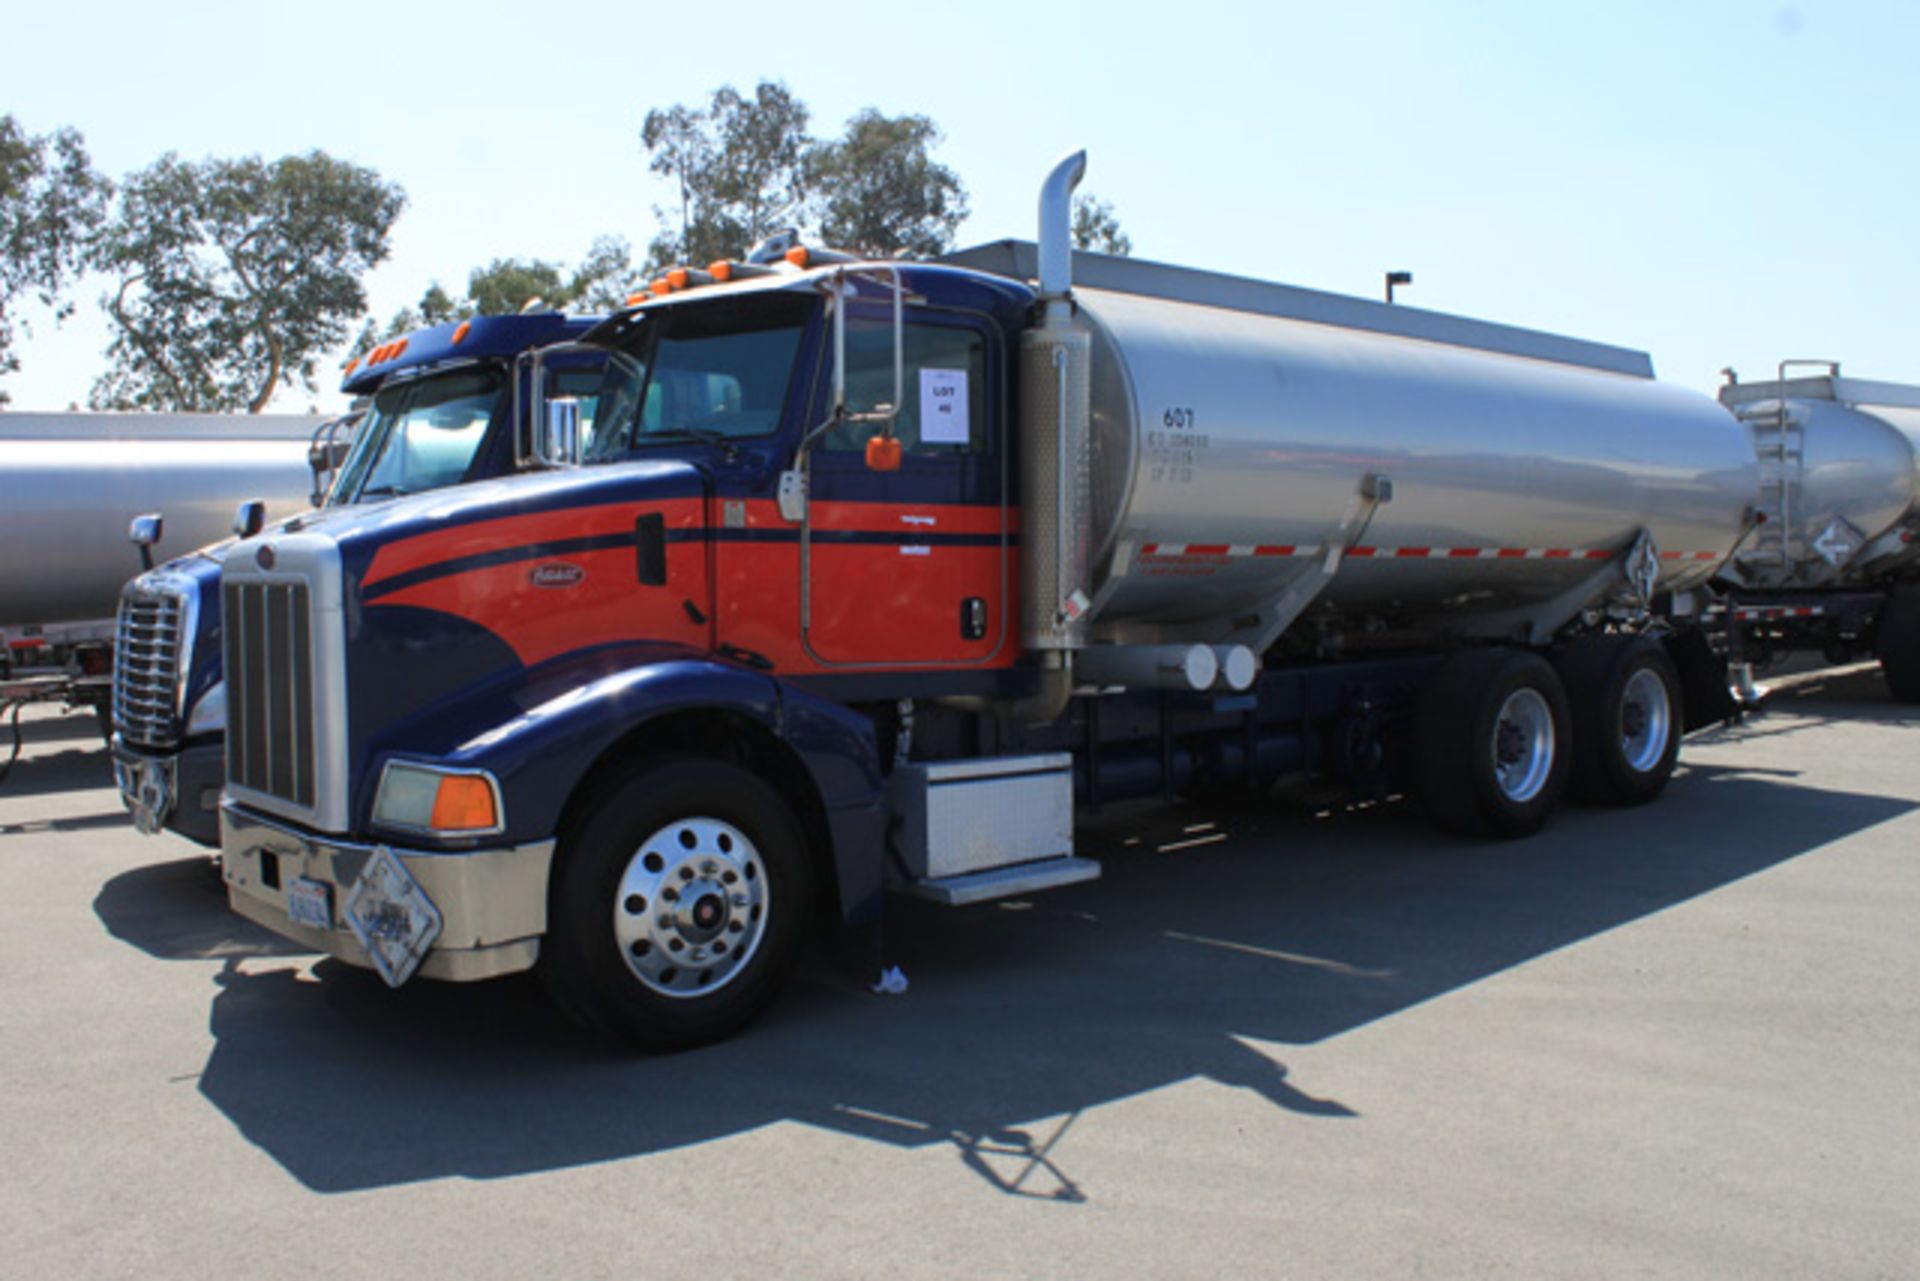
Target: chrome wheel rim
(1646, 721)
(1523, 745)
(692, 907)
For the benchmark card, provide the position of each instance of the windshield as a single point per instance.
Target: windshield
(419, 435)
(707, 371)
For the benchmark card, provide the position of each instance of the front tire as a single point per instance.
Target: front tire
(678, 905)
(1490, 743)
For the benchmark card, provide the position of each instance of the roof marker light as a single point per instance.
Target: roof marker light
(721, 271)
(798, 256)
(460, 333)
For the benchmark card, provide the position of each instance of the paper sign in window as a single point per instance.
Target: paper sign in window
(943, 407)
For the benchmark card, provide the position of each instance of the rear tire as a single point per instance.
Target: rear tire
(1625, 695)
(1899, 643)
(678, 905)
(1490, 743)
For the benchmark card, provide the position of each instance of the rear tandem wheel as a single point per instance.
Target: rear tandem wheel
(1899, 643)
(1625, 696)
(1490, 743)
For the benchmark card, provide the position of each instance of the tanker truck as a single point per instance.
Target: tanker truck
(1830, 562)
(437, 409)
(896, 566)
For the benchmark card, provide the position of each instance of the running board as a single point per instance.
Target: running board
(1005, 882)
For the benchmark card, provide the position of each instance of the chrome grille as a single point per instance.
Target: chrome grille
(269, 665)
(146, 665)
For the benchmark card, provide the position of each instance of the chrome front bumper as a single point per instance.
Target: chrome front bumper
(492, 903)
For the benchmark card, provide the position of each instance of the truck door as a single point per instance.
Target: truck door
(911, 567)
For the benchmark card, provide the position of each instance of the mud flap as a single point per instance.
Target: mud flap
(1706, 697)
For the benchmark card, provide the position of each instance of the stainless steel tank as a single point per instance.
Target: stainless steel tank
(1462, 472)
(1840, 479)
(70, 484)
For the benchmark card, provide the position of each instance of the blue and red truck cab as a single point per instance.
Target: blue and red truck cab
(431, 410)
(628, 719)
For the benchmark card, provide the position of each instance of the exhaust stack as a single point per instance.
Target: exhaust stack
(1056, 229)
(1056, 435)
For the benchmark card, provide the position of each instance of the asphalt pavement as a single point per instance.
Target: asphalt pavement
(1275, 1039)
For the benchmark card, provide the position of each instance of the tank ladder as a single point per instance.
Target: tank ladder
(1780, 446)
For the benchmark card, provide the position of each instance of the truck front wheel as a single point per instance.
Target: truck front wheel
(1490, 743)
(678, 905)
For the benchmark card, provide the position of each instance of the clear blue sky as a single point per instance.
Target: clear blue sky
(1712, 181)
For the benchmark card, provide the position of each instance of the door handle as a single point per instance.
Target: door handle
(973, 618)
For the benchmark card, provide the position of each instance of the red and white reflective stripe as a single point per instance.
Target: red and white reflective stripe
(1779, 611)
(1479, 553)
(1228, 549)
(1244, 550)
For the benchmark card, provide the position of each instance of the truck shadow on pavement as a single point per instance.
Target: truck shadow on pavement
(62, 754)
(1215, 939)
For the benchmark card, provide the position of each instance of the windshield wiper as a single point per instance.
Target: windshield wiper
(384, 491)
(705, 435)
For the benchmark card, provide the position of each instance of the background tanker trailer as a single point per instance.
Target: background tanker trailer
(437, 410)
(1831, 561)
(71, 484)
(896, 564)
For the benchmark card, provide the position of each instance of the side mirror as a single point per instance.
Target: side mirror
(326, 452)
(560, 446)
(249, 518)
(883, 453)
(144, 533)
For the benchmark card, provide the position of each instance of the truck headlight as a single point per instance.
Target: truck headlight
(429, 798)
(210, 713)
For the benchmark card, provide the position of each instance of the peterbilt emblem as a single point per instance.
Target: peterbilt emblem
(264, 556)
(556, 573)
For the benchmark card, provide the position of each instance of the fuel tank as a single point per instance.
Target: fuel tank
(71, 483)
(1457, 471)
(1840, 479)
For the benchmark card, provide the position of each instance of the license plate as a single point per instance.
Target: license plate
(310, 903)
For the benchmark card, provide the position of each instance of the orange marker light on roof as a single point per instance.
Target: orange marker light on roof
(721, 271)
(798, 255)
(353, 364)
(677, 278)
(460, 333)
(635, 299)
(660, 287)
(400, 349)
